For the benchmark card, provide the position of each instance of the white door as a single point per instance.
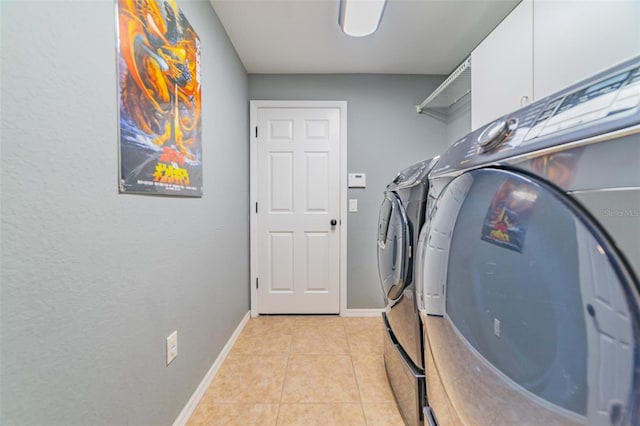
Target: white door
(298, 210)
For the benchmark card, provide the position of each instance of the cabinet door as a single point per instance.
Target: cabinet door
(576, 39)
(501, 67)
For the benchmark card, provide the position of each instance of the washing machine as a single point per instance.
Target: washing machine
(527, 265)
(401, 216)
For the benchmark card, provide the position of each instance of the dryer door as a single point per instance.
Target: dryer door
(537, 306)
(393, 246)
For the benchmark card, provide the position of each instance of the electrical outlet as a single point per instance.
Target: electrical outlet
(172, 347)
(496, 327)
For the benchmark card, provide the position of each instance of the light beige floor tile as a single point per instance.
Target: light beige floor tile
(355, 323)
(371, 377)
(249, 379)
(236, 415)
(207, 399)
(319, 321)
(316, 382)
(382, 414)
(262, 343)
(265, 335)
(320, 379)
(201, 415)
(365, 335)
(284, 323)
(321, 415)
(313, 339)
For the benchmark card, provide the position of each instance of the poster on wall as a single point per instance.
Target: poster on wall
(159, 99)
(507, 218)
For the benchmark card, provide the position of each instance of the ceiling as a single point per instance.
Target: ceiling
(303, 36)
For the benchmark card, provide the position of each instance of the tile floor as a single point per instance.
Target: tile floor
(302, 370)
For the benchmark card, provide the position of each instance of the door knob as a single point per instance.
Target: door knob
(334, 222)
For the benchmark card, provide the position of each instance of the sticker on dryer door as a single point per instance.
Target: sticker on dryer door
(507, 219)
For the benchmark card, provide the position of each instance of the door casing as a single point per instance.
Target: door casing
(253, 190)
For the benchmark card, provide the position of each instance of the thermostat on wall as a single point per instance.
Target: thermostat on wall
(357, 180)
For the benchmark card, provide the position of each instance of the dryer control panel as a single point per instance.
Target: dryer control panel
(604, 103)
(411, 175)
(616, 95)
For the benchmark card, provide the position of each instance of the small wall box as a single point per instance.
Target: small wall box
(357, 180)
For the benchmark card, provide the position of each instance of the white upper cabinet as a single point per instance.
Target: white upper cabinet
(502, 67)
(546, 45)
(576, 39)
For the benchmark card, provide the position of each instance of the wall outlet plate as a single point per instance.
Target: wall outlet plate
(172, 347)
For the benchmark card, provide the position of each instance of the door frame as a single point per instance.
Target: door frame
(341, 106)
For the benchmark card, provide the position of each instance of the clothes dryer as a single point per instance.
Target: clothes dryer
(401, 216)
(527, 267)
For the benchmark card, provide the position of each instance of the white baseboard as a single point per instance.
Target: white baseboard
(362, 312)
(188, 409)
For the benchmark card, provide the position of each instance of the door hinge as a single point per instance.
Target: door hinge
(256, 207)
(256, 131)
(257, 283)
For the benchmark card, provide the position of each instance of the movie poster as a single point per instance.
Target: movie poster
(159, 90)
(507, 219)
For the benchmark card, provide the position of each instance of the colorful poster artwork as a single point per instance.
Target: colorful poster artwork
(160, 99)
(507, 219)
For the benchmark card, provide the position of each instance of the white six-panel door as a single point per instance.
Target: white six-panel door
(298, 197)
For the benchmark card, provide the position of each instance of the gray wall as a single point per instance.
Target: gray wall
(93, 281)
(385, 135)
(459, 119)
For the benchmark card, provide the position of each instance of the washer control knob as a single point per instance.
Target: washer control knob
(495, 134)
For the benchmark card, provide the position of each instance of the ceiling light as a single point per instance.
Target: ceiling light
(359, 18)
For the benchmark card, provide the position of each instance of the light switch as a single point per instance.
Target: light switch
(353, 205)
(357, 180)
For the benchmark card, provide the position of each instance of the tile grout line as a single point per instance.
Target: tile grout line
(289, 352)
(286, 368)
(355, 375)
